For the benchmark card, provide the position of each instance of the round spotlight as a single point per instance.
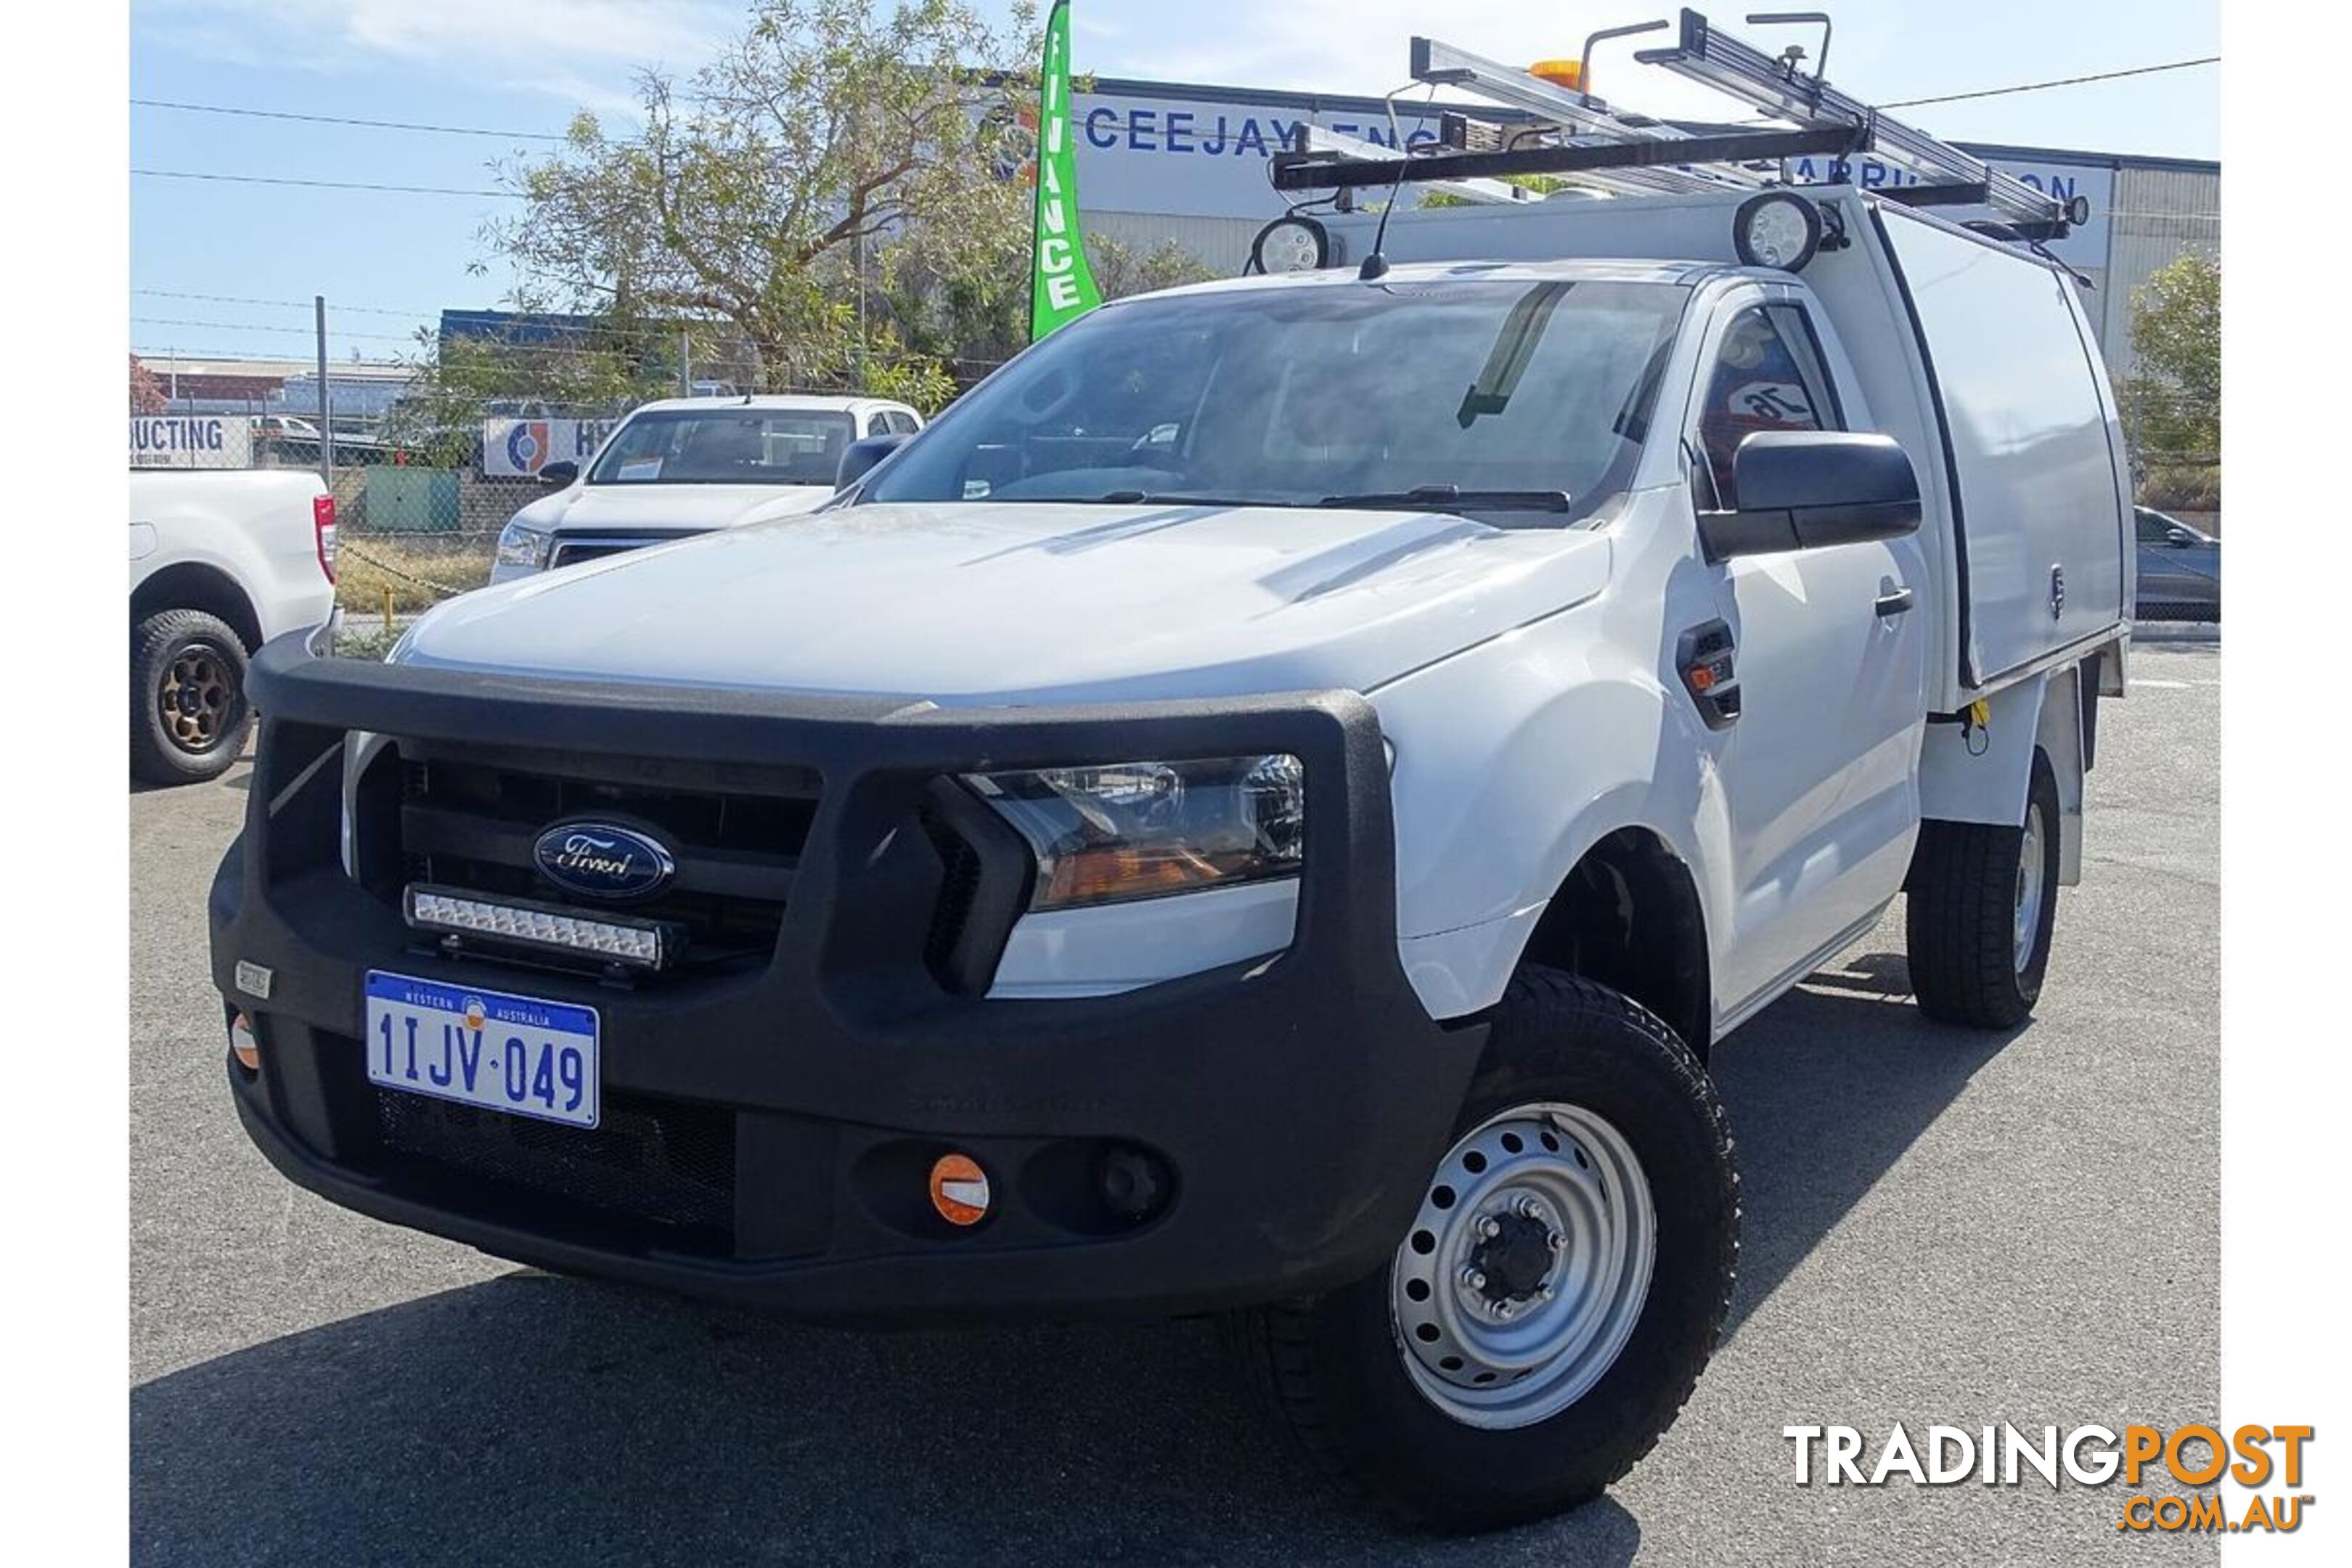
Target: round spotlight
(1291, 244)
(959, 1189)
(1777, 229)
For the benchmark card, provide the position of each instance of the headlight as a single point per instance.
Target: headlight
(1137, 830)
(519, 544)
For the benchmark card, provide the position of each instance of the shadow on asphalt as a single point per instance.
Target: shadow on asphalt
(240, 776)
(1827, 1089)
(537, 1419)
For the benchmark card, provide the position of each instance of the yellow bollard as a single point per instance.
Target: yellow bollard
(387, 606)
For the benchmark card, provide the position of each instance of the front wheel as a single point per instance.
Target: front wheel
(1558, 1294)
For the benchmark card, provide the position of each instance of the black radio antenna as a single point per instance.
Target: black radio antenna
(1376, 266)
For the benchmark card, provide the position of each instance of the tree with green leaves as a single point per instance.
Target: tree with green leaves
(2172, 402)
(595, 370)
(758, 194)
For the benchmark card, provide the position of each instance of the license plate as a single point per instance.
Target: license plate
(515, 1054)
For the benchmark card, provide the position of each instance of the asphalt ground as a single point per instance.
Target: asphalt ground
(1941, 1227)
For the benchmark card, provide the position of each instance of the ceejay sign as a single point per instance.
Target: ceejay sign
(1192, 153)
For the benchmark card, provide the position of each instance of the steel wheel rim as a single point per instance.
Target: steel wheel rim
(198, 699)
(2028, 919)
(1490, 1334)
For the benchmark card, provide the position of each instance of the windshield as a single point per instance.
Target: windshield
(1465, 396)
(725, 445)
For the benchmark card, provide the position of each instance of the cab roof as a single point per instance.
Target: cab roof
(1584, 270)
(805, 403)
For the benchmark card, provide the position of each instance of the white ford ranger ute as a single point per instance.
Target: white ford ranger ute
(684, 466)
(1267, 806)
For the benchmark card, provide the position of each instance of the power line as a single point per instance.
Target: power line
(258, 327)
(345, 120)
(621, 340)
(283, 304)
(158, 354)
(530, 325)
(2062, 81)
(320, 184)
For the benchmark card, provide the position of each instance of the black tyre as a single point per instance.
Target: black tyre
(189, 715)
(1983, 900)
(1559, 1294)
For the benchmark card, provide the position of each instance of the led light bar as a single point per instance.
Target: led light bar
(643, 944)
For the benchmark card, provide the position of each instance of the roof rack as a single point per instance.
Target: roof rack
(1571, 132)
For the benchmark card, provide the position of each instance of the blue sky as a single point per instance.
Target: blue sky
(388, 262)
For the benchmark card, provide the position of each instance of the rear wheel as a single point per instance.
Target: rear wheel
(1557, 1295)
(1983, 905)
(188, 709)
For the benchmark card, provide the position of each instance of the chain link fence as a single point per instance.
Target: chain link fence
(420, 509)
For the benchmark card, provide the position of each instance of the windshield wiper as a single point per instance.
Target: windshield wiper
(1454, 498)
(1153, 497)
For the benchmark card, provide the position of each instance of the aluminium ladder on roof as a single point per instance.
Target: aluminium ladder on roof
(1631, 153)
(1948, 176)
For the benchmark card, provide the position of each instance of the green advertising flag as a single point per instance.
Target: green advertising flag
(1061, 286)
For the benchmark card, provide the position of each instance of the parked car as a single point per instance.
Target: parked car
(221, 561)
(2179, 569)
(284, 427)
(685, 466)
(1268, 806)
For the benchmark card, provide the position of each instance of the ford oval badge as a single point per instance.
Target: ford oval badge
(602, 860)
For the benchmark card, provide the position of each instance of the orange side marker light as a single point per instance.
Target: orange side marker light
(959, 1189)
(243, 1044)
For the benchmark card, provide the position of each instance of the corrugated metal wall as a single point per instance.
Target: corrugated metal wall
(1223, 244)
(2158, 214)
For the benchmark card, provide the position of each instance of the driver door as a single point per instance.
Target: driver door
(1819, 772)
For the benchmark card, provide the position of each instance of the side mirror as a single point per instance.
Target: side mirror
(2180, 538)
(1799, 489)
(562, 471)
(860, 457)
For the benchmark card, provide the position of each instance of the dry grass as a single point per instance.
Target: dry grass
(413, 567)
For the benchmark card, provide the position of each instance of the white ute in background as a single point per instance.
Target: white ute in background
(684, 466)
(221, 562)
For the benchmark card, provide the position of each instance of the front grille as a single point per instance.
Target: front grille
(666, 1164)
(573, 552)
(470, 824)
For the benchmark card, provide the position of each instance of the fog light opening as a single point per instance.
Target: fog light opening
(1133, 1184)
(959, 1189)
(242, 1043)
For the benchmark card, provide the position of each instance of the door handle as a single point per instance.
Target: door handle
(1898, 602)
